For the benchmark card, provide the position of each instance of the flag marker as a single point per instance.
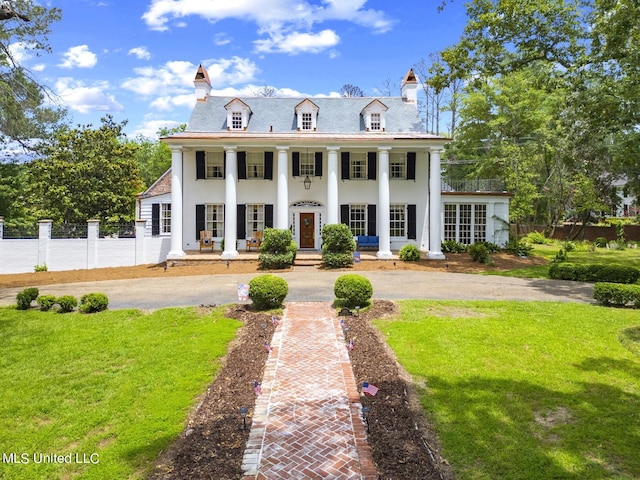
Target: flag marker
(369, 388)
(257, 389)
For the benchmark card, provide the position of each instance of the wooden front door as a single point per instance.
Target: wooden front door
(307, 230)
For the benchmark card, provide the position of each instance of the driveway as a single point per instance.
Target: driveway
(309, 284)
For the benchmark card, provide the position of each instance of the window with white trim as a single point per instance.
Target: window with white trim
(214, 219)
(307, 123)
(358, 218)
(255, 218)
(165, 218)
(398, 220)
(374, 116)
(450, 221)
(376, 123)
(214, 165)
(479, 223)
(398, 165)
(236, 121)
(465, 222)
(307, 116)
(358, 165)
(238, 114)
(307, 164)
(255, 165)
(464, 218)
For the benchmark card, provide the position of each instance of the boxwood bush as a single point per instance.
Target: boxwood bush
(25, 297)
(46, 302)
(93, 302)
(352, 289)
(267, 291)
(594, 273)
(479, 252)
(337, 246)
(67, 303)
(409, 253)
(615, 294)
(278, 250)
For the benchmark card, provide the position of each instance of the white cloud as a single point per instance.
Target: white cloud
(286, 24)
(21, 51)
(85, 99)
(168, 103)
(140, 52)
(221, 39)
(79, 56)
(149, 128)
(297, 42)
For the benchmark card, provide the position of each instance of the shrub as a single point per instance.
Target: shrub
(267, 291)
(601, 242)
(46, 302)
(409, 253)
(354, 290)
(40, 268)
(451, 246)
(25, 297)
(616, 294)
(479, 253)
(537, 238)
(561, 256)
(278, 250)
(569, 246)
(337, 246)
(93, 302)
(519, 248)
(594, 273)
(67, 303)
(491, 247)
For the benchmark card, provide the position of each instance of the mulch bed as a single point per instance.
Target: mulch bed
(212, 444)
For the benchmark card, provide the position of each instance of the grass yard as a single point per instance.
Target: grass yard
(601, 256)
(109, 390)
(526, 390)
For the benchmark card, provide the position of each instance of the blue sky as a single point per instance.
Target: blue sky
(137, 59)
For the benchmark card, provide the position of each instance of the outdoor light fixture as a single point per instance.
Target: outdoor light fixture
(357, 311)
(243, 414)
(365, 416)
(307, 183)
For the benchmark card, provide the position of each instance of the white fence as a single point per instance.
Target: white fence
(23, 255)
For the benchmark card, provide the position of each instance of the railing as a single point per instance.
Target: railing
(473, 185)
(126, 230)
(27, 231)
(69, 230)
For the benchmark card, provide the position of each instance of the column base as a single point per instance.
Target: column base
(229, 254)
(176, 255)
(436, 256)
(384, 255)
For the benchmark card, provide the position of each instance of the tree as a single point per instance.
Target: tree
(154, 157)
(86, 173)
(265, 91)
(349, 90)
(23, 115)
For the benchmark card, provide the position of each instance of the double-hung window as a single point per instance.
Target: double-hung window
(307, 121)
(214, 219)
(398, 165)
(214, 165)
(255, 165)
(358, 218)
(376, 124)
(165, 218)
(358, 165)
(236, 121)
(255, 218)
(307, 164)
(398, 220)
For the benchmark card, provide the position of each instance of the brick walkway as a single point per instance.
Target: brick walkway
(307, 422)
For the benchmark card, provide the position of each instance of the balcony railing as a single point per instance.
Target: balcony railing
(493, 185)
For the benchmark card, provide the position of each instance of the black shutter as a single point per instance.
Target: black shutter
(241, 222)
(371, 220)
(318, 169)
(411, 222)
(155, 219)
(371, 165)
(295, 159)
(344, 214)
(411, 165)
(242, 165)
(200, 165)
(268, 165)
(199, 221)
(268, 216)
(345, 165)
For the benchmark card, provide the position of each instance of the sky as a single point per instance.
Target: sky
(136, 59)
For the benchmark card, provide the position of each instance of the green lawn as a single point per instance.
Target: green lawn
(116, 385)
(526, 390)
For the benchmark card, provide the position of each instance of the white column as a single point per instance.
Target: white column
(333, 208)
(176, 205)
(282, 212)
(231, 204)
(384, 230)
(44, 239)
(93, 233)
(141, 227)
(435, 207)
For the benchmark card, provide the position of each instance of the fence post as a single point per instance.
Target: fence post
(1, 228)
(44, 239)
(93, 229)
(141, 226)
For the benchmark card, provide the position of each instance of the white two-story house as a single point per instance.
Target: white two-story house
(250, 163)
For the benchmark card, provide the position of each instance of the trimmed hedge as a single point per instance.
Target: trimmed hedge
(337, 246)
(354, 290)
(278, 250)
(267, 291)
(46, 302)
(93, 302)
(67, 303)
(409, 253)
(615, 294)
(25, 297)
(594, 273)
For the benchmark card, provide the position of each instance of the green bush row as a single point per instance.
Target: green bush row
(615, 294)
(594, 273)
(89, 303)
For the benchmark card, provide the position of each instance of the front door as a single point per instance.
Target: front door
(307, 230)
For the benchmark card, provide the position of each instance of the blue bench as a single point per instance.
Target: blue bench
(368, 241)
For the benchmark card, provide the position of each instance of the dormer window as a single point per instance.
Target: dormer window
(238, 114)
(373, 115)
(307, 115)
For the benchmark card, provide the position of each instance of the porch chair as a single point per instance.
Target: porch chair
(206, 239)
(255, 241)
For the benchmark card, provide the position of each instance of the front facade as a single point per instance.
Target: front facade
(246, 164)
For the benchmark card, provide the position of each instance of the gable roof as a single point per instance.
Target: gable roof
(160, 187)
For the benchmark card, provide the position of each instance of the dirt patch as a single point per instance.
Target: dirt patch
(455, 263)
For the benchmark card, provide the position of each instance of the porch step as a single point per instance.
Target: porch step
(307, 259)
